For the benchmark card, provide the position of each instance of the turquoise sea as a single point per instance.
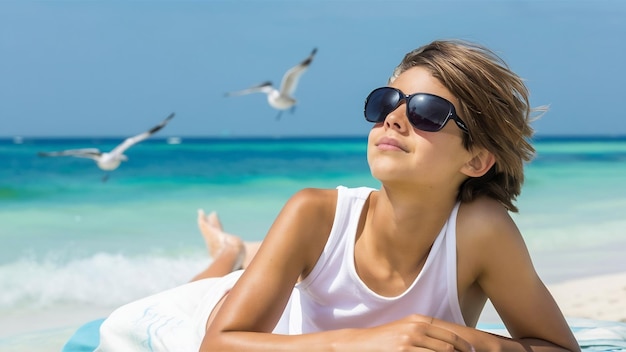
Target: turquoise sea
(69, 239)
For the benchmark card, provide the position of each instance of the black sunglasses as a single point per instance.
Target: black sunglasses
(426, 112)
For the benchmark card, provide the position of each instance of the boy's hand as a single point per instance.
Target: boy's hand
(413, 333)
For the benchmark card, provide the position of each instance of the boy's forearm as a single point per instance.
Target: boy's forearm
(488, 342)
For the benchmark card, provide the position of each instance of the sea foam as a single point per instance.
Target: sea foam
(101, 280)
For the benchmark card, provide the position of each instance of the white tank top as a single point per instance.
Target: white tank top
(333, 296)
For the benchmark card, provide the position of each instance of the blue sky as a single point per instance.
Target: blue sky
(116, 68)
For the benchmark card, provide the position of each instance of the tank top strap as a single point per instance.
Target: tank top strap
(350, 203)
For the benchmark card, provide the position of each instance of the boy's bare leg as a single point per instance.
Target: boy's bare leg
(228, 251)
(251, 249)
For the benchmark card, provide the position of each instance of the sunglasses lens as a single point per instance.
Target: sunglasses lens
(380, 103)
(427, 112)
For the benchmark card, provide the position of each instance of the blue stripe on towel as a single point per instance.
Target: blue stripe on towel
(85, 339)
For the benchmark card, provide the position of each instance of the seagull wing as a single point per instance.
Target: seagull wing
(130, 141)
(291, 77)
(264, 87)
(90, 153)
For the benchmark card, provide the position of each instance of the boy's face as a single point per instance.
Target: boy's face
(400, 153)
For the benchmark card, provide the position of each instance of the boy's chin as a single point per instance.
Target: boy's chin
(387, 173)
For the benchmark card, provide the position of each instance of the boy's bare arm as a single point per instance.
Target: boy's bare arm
(505, 273)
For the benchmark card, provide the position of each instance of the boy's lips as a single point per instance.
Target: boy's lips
(387, 143)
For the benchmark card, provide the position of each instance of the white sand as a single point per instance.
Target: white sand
(18, 322)
(598, 297)
(43, 330)
(39, 341)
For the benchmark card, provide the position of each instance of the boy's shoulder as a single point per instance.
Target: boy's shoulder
(311, 194)
(486, 235)
(315, 200)
(484, 218)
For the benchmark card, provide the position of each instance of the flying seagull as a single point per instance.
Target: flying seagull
(281, 99)
(111, 160)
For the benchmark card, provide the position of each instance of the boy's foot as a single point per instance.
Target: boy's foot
(217, 240)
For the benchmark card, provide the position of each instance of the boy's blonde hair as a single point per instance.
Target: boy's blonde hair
(493, 104)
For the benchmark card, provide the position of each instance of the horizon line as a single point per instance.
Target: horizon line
(269, 137)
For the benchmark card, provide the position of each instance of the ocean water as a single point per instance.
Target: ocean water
(69, 239)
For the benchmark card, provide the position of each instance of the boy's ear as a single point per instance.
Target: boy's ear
(482, 161)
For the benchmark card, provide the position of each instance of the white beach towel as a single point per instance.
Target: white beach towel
(173, 320)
